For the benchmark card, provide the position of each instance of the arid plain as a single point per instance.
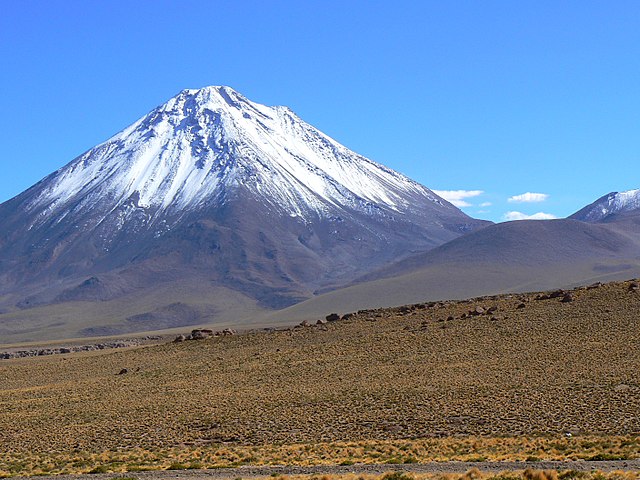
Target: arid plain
(514, 377)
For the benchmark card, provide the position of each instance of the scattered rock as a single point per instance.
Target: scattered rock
(554, 294)
(392, 428)
(633, 286)
(305, 323)
(123, 371)
(521, 305)
(567, 298)
(492, 309)
(449, 318)
(321, 322)
(180, 338)
(37, 352)
(621, 388)
(332, 317)
(200, 334)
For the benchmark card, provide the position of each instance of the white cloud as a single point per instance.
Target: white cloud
(523, 216)
(457, 196)
(486, 204)
(529, 197)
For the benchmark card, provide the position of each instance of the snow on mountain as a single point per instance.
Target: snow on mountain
(199, 146)
(611, 204)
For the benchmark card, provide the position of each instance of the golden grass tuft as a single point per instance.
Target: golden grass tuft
(532, 474)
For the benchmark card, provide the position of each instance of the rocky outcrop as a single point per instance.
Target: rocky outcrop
(202, 333)
(39, 352)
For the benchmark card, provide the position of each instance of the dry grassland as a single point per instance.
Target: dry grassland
(394, 385)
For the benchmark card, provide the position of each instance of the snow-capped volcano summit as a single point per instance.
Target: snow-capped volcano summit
(609, 205)
(197, 148)
(212, 189)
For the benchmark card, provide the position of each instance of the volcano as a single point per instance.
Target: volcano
(206, 209)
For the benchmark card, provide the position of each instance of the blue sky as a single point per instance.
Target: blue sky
(533, 101)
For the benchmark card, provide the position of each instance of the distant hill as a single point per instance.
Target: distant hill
(515, 256)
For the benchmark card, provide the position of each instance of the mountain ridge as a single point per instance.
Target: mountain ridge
(213, 209)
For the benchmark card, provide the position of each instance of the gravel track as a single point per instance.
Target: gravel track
(372, 469)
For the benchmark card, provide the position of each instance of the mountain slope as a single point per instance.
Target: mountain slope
(211, 189)
(609, 206)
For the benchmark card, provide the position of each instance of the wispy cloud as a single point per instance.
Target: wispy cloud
(457, 197)
(485, 204)
(523, 216)
(528, 197)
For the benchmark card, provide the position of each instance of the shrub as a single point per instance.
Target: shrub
(397, 476)
(472, 474)
(100, 469)
(572, 475)
(601, 457)
(530, 474)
